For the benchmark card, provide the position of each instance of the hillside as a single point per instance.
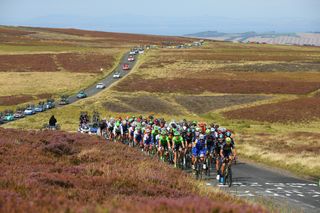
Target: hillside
(48, 62)
(64, 172)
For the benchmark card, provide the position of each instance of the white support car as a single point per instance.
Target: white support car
(100, 86)
(141, 51)
(116, 75)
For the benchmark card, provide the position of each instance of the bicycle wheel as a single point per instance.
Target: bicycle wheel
(208, 164)
(197, 170)
(229, 177)
(200, 171)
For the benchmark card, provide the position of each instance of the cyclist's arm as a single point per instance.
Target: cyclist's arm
(221, 152)
(234, 152)
(168, 142)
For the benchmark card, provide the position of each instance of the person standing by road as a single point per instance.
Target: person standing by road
(52, 121)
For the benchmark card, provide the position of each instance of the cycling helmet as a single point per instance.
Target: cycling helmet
(201, 137)
(184, 128)
(197, 129)
(208, 131)
(176, 133)
(163, 132)
(202, 155)
(130, 120)
(212, 129)
(147, 130)
(117, 123)
(228, 133)
(228, 140)
(221, 135)
(124, 122)
(188, 130)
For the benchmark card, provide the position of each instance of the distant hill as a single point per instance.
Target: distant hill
(304, 39)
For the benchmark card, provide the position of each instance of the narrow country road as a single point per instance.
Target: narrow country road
(91, 90)
(254, 182)
(108, 80)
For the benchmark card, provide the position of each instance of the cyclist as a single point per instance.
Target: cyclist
(131, 131)
(227, 152)
(164, 144)
(199, 146)
(137, 137)
(118, 131)
(147, 140)
(217, 153)
(178, 146)
(125, 129)
(103, 126)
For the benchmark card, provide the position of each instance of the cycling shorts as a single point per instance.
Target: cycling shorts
(177, 146)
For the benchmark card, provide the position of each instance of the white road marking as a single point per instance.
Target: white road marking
(301, 195)
(288, 195)
(316, 196)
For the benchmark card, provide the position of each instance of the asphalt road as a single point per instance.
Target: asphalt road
(90, 91)
(286, 192)
(108, 80)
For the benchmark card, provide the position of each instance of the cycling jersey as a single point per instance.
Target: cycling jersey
(131, 131)
(147, 139)
(118, 130)
(227, 148)
(218, 146)
(138, 136)
(188, 139)
(177, 140)
(125, 128)
(199, 147)
(163, 140)
(210, 141)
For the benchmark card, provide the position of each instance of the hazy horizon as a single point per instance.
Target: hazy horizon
(166, 18)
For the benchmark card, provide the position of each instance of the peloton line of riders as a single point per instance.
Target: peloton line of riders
(156, 134)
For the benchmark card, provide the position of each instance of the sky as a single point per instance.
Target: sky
(168, 17)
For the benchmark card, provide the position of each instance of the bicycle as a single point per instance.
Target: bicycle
(180, 158)
(227, 173)
(200, 166)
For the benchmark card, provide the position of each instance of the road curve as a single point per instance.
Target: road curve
(254, 182)
(108, 80)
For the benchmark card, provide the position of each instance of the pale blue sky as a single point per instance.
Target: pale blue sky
(174, 17)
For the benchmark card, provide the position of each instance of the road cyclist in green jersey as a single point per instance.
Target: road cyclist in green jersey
(164, 144)
(178, 146)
